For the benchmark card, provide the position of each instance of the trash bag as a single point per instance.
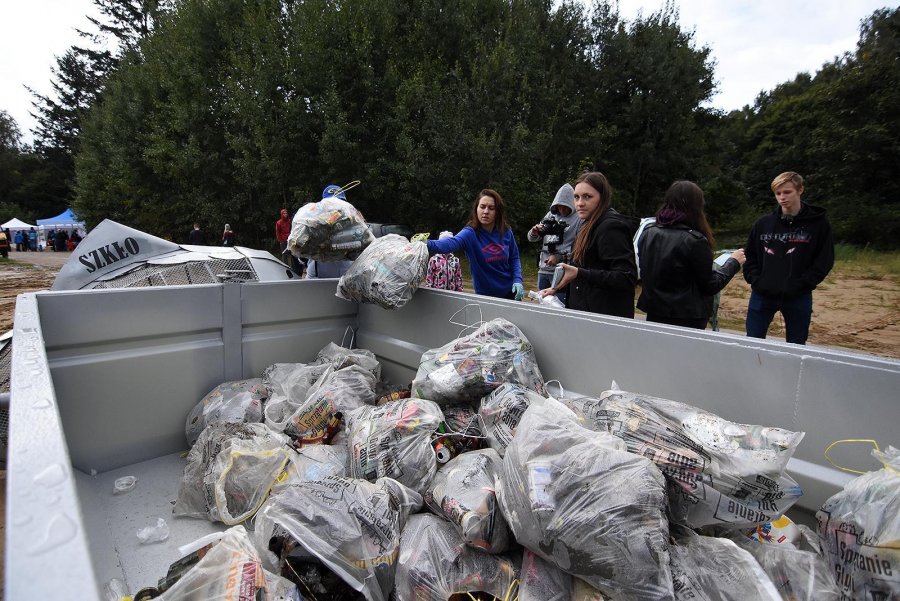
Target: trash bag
(435, 564)
(579, 500)
(336, 394)
(719, 472)
(459, 433)
(501, 411)
(237, 402)
(540, 580)
(797, 575)
(394, 441)
(472, 366)
(341, 357)
(351, 526)
(229, 472)
(329, 230)
(288, 385)
(860, 532)
(387, 273)
(231, 571)
(314, 462)
(463, 492)
(707, 568)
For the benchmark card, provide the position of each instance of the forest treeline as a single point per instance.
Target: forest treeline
(228, 110)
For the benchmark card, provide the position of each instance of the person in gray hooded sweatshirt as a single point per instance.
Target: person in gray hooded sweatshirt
(556, 249)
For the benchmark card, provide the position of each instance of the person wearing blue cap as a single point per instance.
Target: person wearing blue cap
(328, 269)
(490, 246)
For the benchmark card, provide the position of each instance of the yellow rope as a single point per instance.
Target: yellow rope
(847, 469)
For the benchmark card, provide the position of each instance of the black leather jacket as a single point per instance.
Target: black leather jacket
(608, 274)
(677, 272)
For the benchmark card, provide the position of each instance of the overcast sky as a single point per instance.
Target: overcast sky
(757, 44)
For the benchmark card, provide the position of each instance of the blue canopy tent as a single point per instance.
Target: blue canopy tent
(66, 219)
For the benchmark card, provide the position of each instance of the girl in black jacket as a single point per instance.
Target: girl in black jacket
(677, 274)
(603, 272)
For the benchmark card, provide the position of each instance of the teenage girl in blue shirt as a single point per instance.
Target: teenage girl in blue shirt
(490, 247)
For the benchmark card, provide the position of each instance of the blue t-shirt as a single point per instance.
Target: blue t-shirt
(493, 258)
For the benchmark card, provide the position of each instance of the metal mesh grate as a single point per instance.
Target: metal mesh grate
(195, 272)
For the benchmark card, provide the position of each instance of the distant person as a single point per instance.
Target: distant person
(228, 236)
(51, 240)
(32, 240)
(678, 280)
(444, 271)
(490, 246)
(19, 239)
(789, 253)
(76, 238)
(283, 229)
(59, 243)
(197, 236)
(603, 272)
(556, 248)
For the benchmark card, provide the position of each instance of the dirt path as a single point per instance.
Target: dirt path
(25, 272)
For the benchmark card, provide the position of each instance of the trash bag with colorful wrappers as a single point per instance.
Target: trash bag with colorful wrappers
(394, 441)
(237, 402)
(719, 472)
(464, 492)
(318, 418)
(578, 499)
(329, 230)
(860, 532)
(387, 273)
(340, 357)
(338, 526)
(472, 366)
(436, 565)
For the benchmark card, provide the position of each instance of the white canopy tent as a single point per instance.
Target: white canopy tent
(16, 224)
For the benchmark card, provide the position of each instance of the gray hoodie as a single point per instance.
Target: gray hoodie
(565, 196)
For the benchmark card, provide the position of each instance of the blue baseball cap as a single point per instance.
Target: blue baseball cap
(333, 190)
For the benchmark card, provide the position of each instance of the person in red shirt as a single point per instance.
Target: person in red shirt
(283, 230)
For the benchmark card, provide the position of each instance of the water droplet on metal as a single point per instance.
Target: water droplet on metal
(51, 475)
(60, 530)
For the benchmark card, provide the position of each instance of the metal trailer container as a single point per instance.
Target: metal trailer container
(102, 382)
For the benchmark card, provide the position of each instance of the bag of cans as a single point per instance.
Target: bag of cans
(387, 273)
(237, 402)
(329, 230)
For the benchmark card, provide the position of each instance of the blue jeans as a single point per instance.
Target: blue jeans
(544, 280)
(797, 313)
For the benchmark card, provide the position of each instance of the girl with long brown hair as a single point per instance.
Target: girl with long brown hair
(490, 246)
(678, 278)
(603, 272)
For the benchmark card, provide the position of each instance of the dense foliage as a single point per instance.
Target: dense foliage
(227, 110)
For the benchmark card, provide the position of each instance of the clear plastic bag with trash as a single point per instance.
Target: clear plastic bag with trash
(317, 418)
(237, 402)
(719, 472)
(501, 411)
(578, 499)
(314, 462)
(329, 230)
(859, 528)
(340, 357)
(288, 385)
(798, 574)
(350, 526)
(157, 533)
(540, 580)
(551, 300)
(394, 441)
(473, 365)
(230, 471)
(435, 565)
(387, 273)
(231, 570)
(464, 492)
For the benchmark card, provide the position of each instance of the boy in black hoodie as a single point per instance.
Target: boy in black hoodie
(789, 252)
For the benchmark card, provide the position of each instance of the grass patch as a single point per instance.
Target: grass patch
(875, 264)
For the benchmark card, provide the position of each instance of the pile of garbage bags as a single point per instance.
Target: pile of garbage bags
(481, 485)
